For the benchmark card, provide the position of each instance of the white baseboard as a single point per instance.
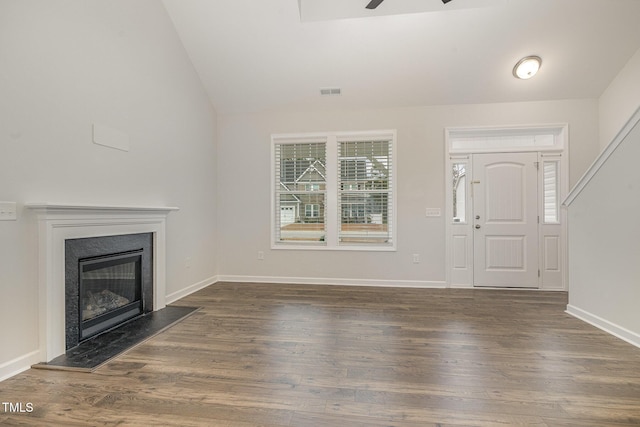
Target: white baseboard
(607, 326)
(499, 288)
(19, 364)
(333, 281)
(191, 289)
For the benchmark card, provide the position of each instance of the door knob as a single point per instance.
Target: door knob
(477, 225)
(477, 216)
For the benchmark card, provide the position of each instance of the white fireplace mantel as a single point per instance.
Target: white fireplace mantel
(58, 222)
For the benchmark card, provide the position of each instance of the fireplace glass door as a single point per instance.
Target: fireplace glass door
(110, 291)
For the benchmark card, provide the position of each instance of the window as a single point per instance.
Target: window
(492, 140)
(364, 177)
(550, 192)
(334, 191)
(459, 175)
(312, 210)
(300, 191)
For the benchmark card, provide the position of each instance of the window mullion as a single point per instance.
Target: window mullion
(332, 212)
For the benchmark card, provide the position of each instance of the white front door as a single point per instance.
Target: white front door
(505, 220)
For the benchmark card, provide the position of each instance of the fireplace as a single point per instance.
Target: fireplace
(110, 289)
(108, 281)
(60, 222)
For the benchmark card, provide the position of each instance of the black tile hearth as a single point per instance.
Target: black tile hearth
(96, 351)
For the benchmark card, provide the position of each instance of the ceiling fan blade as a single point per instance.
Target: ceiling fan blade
(374, 3)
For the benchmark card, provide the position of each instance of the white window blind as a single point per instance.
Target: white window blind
(550, 192)
(300, 192)
(334, 191)
(364, 190)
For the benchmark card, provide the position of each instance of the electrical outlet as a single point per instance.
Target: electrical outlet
(8, 211)
(261, 255)
(416, 258)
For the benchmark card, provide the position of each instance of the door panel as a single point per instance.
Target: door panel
(505, 197)
(505, 253)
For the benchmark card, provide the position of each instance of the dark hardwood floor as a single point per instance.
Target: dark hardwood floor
(300, 355)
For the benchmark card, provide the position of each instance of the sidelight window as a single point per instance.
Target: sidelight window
(551, 199)
(459, 197)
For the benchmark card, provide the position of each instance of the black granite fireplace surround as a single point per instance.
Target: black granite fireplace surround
(128, 259)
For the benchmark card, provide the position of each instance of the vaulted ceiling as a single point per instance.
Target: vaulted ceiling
(260, 55)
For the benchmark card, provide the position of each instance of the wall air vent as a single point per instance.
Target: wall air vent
(330, 91)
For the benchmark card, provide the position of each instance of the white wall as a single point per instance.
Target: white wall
(244, 192)
(619, 101)
(65, 65)
(604, 272)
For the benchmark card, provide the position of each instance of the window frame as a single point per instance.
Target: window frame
(333, 211)
(308, 191)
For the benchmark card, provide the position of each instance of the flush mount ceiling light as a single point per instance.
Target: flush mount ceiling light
(527, 67)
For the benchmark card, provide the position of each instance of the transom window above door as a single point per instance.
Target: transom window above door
(334, 191)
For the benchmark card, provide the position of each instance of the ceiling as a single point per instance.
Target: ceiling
(257, 55)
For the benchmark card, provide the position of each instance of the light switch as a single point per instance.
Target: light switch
(433, 211)
(8, 211)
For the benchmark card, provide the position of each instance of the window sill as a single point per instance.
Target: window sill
(314, 247)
